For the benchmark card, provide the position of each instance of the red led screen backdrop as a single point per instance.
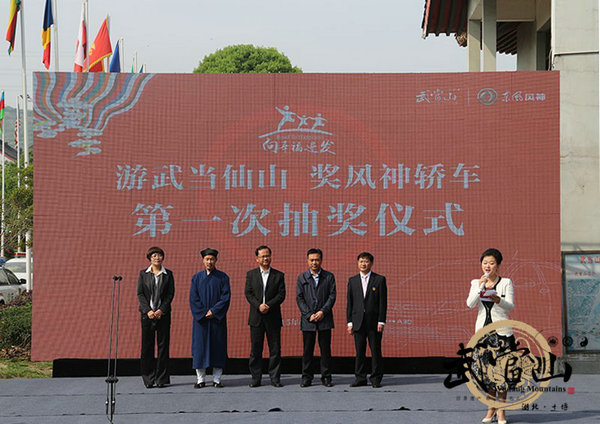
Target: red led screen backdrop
(425, 171)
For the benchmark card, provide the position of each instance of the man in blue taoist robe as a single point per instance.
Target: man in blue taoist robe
(209, 302)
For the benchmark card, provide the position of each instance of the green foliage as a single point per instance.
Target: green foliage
(246, 58)
(18, 205)
(15, 330)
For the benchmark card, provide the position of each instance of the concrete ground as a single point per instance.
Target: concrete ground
(402, 399)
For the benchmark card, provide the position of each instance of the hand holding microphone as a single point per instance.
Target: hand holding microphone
(483, 280)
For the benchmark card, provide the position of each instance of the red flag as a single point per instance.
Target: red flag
(100, 49)
(48, 22)
(81, 48)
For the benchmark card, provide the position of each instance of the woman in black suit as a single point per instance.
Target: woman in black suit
(155, 291)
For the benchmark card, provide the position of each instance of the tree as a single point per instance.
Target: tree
(18, 205)
(246, 58)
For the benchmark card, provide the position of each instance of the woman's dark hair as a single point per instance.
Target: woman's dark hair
(492, 252)
(153, 250)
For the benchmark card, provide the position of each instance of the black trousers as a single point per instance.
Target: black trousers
(308, 340)
(155, 370)
(257, 337)
(360, 364)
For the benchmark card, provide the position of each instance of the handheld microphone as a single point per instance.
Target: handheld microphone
(486, 275)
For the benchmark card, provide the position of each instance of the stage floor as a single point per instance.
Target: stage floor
(402, 399)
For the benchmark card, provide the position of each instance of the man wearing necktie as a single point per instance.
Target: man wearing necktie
(265, 292)
(155, 291)
(315, 296)
(365, 313)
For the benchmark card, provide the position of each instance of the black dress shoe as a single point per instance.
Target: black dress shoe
(218, 385)
(358, 383)
(376, 385)
(199, 385)
(305, 383)
(149, 386)
(276, 384)
(327, 382)
(254, 384)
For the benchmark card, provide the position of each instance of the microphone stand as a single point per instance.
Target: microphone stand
(111, 376)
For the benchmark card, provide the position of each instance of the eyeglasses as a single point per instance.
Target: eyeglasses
(264, 257)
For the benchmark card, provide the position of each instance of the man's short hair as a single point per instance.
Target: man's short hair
(314, 251)
(153, 250)
(365, 255)
(259, 248)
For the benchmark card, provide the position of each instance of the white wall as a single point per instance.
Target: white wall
(575, 54)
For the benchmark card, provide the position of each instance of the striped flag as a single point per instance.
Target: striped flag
(15, 5)
(48, 22)
(79, 63)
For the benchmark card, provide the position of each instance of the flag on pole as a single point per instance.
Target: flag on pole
(1, 111)
(100, 49)
(115, 61)
(48, 22)
(17, 131)
(79, 63)
(12, 24)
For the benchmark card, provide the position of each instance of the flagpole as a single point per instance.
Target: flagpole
(3, 165)
(87, 57)
(55, 34)
(25, 141)
(17, 132)
(106, 59)
(121, 55)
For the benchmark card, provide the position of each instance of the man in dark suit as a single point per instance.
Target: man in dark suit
(315, 296)
(265, 291)
(365, 314)
(155, 291)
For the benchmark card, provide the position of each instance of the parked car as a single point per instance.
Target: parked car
(10, 286)
(17, 266)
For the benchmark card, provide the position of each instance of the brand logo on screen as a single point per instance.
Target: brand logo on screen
(487, 96)
(298, 132)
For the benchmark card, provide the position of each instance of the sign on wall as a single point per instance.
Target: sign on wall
(582, 301)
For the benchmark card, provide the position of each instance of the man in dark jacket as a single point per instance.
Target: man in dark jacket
(315, 296)
(265, 291)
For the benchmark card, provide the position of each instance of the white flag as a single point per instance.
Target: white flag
(80, 61)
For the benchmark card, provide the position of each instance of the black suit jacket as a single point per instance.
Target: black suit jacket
(311, 299)
(366, 311)
(166, 290)
(274, 297)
